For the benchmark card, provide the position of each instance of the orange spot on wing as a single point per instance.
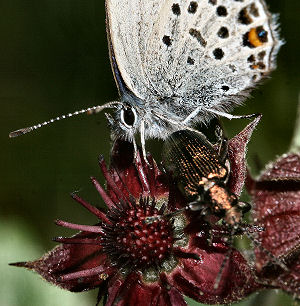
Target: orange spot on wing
(253, 38)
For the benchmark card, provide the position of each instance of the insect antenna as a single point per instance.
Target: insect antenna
(225, 260)
(90, 110)
(192, 206)
(256, 243)
(271, 256)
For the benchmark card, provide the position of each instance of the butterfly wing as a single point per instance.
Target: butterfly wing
(189, 54)
(129, 25)
(210, 52)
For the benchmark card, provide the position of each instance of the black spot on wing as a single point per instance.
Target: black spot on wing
(254, 10)
(261, 65)
(192, 8)
(190, 61)
(176, 9)
(261, 55)
(251, 58)
(225, 87)
(167, 40)
(196, 34)
(218, 53)
(262, 34)
(244, 17)
(223, 32)
(221, 11)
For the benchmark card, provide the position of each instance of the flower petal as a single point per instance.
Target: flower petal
(278, 211)
(276, 197)
(237, 149)
(196, 278)
(290, 281)
(68, 258)
(286, 167)
(136, 177)
(133, 291)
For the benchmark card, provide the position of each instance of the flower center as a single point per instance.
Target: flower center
(134, 242)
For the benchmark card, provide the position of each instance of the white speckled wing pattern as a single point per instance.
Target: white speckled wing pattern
(130, 24)
(178, 56)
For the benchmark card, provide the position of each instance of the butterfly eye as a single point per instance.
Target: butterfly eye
(128, 116)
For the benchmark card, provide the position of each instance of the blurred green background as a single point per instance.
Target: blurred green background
(54, 60)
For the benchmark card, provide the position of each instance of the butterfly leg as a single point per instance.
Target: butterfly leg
(142, 132)
(222, 143)
(191, 115)
(222, 114)
(179, 124)
(229, 116)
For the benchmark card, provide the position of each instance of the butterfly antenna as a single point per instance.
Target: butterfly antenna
(90, 110)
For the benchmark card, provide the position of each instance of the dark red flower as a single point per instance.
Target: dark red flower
(134, 259)
(276, 199)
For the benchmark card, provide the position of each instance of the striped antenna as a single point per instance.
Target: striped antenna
(90, 110)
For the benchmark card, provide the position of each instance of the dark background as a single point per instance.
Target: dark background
(54, 60)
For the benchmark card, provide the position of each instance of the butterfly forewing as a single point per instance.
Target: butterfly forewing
(130, 24)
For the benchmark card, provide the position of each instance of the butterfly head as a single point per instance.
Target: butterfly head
(125, 121)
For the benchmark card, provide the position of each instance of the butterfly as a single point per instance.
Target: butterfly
(177, 63)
